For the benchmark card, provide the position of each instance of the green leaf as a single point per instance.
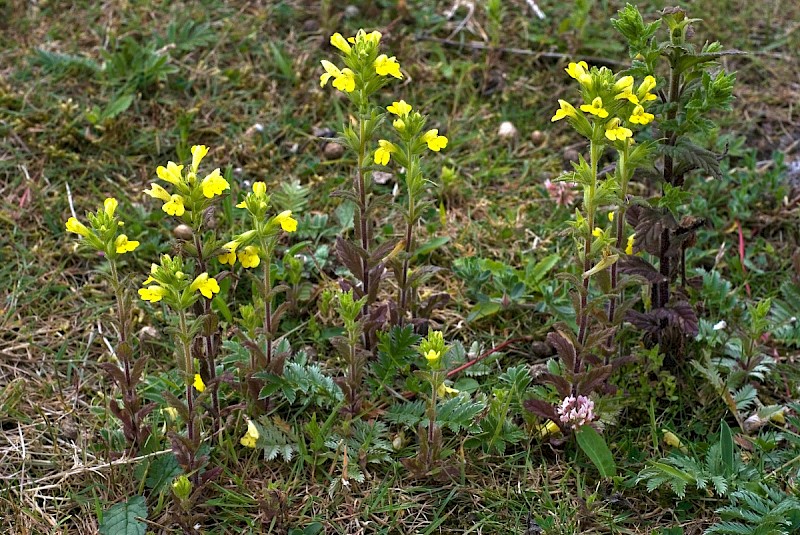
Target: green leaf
(162, 470)
(594, 446)
(726, 446)
(431, 246)
(121, 518)
(117, 106)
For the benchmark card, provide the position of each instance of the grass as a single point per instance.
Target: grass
(233, 65)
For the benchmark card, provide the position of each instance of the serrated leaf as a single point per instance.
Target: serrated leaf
(122, 518)
(162, 470)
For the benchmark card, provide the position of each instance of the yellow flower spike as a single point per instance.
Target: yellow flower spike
(434, 140)
(432, 357)
(384, 152)
(174, 206)
(157, 192)
(400, 108)
(386, 66)
(198, 153)
(251, 437)
(124, 245)
(639, 116)
(259, 188)
(346, 81)
(198, 383)
(172, 173)
(565, 110)
(249, 257)
(206, 285)
(214, 184)
(399, 125)
(110, 206)
(340, 42)
(73, 225)
(597, 232)
(595, 108)
(286, 221)
(153, 293)
(615, 131)
(629, 246)
(331, 71)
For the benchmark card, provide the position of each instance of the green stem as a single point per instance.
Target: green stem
(588, 202)
(188, 374)
(362, 230)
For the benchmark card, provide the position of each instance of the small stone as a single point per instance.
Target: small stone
(507, 130)
(310, 26)
(333, 151)
(323, 131)
(538, 137)
(182, 232)
(571, 155)
(381, 177)
(351, 12)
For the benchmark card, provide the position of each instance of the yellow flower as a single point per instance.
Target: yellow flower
(629, 247)
(73, 225)
(611, 216)
(434, 140)
(174, 206)
(249, 439)
(124, 245)
(286, 221)
(386, 66)
(444, 390)
(198, 153)
(384, 152)
(198, 384)
(214, 184)
(399, 125)
(110, 206)
(228, 257)
(643, 92)
(597, 232)
(206, 285)
(259, 188)
(249, 257)
(171, 173)
(340, 42)
(580, 71)
(624, 84)
(400, 108)
(170, 412)
(344, 79)
(595, 108)
(639, 116)
(157, 192)
(549, 428)
(153, 293)
(432, 357)
(565, 110)
(615, 131)
(363, 37)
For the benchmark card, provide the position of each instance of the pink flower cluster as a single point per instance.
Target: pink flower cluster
(575, 412)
